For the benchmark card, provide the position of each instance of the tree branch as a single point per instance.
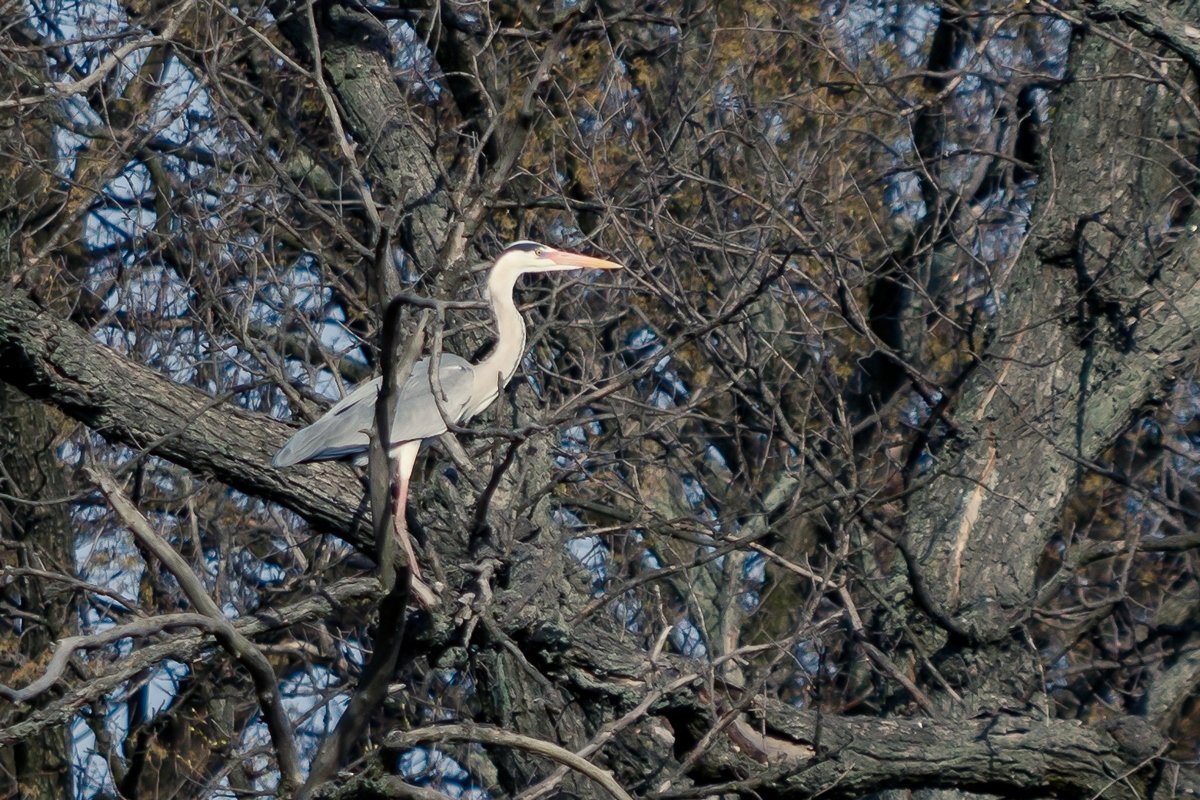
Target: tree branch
(1054, 388)
(238, 646)
(486, 734)
(57, 362)
(1157, 22)
(185, 649)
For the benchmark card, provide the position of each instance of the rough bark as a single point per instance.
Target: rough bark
(606, 672)
(398, 155)
(55, 361)
(1101, 309)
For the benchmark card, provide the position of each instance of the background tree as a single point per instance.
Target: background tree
(874, 472)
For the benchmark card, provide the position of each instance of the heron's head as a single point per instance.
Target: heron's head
(521, 257)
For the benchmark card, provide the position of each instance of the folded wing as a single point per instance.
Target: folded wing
(342, 431)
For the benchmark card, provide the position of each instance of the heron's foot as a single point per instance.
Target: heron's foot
(422, 593)
(411, 554)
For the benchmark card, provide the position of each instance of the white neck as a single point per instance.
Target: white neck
(498, 368)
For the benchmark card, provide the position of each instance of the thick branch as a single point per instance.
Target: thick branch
(1156, 21)
(1001, 755)
(1100, 314)
(355, 50)
(58, 363)
(55, 361)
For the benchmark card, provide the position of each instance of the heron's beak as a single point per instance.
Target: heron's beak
(575, 261)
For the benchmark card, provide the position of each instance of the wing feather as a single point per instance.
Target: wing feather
(342, 431)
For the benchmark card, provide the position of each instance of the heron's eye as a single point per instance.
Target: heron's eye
(541, 252)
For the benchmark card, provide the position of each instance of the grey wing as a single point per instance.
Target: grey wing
(339, 433)
(417, 413)
(342, 431)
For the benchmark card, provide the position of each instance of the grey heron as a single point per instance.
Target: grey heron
(466, 388)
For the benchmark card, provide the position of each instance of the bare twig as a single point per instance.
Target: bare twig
(183, 648)
(72, 644)
(605, 734)
(486, 734)
(339, 131)
(119, 56)
(241, 648)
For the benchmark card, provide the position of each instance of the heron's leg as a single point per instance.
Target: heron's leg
(402, 527)
(406, 457)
